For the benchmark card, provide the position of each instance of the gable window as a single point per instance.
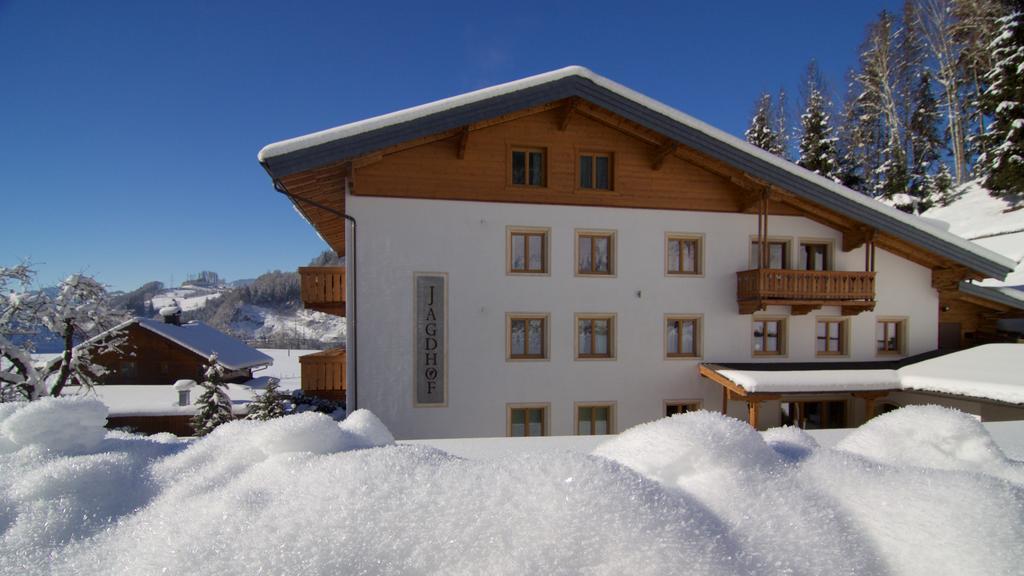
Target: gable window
(889, 335)
(769, 336)
(831, 338)
(528, 250)
(527, 420)
(527, 337)
(595, 336)
(595, 171)
(594, 419)
(684, 254)
(682, 336)
(815, 256)
(595, 253)
(529, 167)
(680, 407)
(778, 254)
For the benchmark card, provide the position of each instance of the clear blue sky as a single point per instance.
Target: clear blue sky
(129, 130)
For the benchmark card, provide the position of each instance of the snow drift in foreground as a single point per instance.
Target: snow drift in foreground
(916, 491)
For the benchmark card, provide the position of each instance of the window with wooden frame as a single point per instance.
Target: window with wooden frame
(529, 166)
(673, 407)
(595, 171)
(768, 336)
(526, 420)
(528, 250)
(595, 336)
(684, 254)
(682, 336)
(890, 335)
(831, 337)
(527, 336)
(814, 415)
(815, 255)
(595, 253)
(778, 254)
(592, 419)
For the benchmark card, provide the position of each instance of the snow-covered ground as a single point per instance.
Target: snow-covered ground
(987, 221)
(188, 298)
(921, 490)
(260, 322)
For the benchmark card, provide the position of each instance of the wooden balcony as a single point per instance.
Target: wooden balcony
(323, 374)
(323, 288)
(805, 290)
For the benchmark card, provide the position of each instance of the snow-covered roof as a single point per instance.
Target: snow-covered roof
(1011, 297)
(796, 381)
(205, 340)
(991, 372)
(358, 138)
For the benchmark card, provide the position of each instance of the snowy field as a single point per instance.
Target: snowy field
(921, 490)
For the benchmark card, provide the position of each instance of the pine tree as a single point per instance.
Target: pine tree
(268, 405)
(817, 142)
(925, 142)
(213, 407)
(762, 126)
(780, 118)
(1003, 163)
(939, 188)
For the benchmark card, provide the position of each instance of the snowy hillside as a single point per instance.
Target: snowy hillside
(921, 490)
(985, 220)
(188, 298)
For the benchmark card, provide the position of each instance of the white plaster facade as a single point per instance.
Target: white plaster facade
(467, 241)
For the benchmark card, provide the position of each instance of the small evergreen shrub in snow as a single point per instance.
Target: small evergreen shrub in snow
(213, 407)
(271, 404)
(302, 402)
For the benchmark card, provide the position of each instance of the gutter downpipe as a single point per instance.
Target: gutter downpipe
(350, 263)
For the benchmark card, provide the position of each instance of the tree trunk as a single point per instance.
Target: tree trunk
(65, 365)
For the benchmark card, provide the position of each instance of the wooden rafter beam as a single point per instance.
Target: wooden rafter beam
(856, 237)
(713, 375)
(662, 153)
(567, 113)
(948, 279)
(463, 142)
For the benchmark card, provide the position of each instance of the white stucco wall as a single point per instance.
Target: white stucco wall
(467, 240)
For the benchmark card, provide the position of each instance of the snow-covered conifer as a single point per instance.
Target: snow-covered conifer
(268, 405)
(1003, 162)
(762, 125)
(213, 407)
(817, 139)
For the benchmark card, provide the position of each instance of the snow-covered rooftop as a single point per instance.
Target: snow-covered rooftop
(205, 340)
(991, 371)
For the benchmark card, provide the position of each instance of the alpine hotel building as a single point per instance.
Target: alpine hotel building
(563, 255)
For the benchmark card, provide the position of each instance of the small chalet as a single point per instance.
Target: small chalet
(162, 352)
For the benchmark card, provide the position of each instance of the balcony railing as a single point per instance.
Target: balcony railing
(323, 374)
(805, 290)
(323, 288)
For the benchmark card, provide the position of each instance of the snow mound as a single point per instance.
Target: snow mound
(790, 442)
(417, 510)
(689, 445)
(932, 437)
(366, 430)
(63, 425)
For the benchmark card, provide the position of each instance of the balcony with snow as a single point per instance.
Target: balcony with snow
(323, 288)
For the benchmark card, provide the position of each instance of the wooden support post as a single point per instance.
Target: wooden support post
(463, 142)
(869, 408)
(752, 406)
(725, 400)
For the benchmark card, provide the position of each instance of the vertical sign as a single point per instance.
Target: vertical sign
(431, 366)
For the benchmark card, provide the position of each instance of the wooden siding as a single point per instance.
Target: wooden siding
(433, 170)
(323, 374)
(157, 360)
(179, 425)
(326, 187)
(323, 288)
(976, 317)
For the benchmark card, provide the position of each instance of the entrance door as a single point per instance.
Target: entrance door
(949, 335)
